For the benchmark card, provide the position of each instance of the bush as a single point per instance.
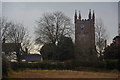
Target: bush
(5, 66)
(111, 64)
(69, 65)
(39, 65)
(96, 64)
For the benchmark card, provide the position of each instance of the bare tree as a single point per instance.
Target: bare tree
(15, 33)
(52, 26)
(101, 36)
(5, 28)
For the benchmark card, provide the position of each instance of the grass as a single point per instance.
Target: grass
(61, 74)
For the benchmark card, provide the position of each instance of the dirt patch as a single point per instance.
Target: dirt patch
(60, 74)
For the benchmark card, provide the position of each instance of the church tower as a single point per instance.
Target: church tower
(85, 37)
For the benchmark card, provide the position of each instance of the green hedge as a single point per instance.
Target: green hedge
(67, 65)
(5, 66)
(40, 65)
(111, 64)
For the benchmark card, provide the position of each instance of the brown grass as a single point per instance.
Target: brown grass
(60, 74)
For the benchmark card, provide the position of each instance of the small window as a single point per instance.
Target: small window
(82, 25)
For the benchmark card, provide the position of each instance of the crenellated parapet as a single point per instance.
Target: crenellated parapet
(90, 16)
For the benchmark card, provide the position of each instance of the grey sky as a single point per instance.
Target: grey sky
(119, 12)
(0, 46)
(119, 17)
(60, 0)
(28, 12)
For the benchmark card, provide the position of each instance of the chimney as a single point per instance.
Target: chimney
(105, 43)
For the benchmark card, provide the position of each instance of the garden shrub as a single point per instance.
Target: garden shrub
(68, 65)
(5, 66)
(111, 64)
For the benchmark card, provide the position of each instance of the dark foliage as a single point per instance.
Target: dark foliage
(48, 51)
(111, 64)
(40, 65)
(112, 52)
(112, 56)
(5, 66)
(64, 50)
(67, 65)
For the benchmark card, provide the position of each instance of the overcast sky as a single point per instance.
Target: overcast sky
(119, 16)
(28, 12)
(59, 0)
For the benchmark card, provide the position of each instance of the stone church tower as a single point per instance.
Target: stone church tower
(85, 37)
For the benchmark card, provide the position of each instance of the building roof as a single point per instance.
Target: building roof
(9, 47)
(32, 57)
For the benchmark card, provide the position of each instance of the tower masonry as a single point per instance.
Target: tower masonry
(85, 37)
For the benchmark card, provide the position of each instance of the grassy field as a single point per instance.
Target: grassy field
(61, 74)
